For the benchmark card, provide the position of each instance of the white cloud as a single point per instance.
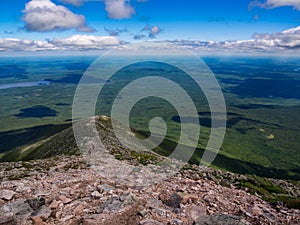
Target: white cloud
(44, 15)
(285, 41)
(14, 44)
(119, 9)
(75, 42)
(116, 9)
(275, 43)
(270, 4)
(86, 42)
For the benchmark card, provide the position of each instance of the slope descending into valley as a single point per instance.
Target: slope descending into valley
(66, 190)
(56, 184)
(64, 143)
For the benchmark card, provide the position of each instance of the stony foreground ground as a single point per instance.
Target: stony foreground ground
(66, 190)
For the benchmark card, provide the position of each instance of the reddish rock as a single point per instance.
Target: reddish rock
(189, 198)
(54, 204)
(93, 220)
(67, 193)
(79, 210)
(64, 199)
(37, 220)
(256, 211)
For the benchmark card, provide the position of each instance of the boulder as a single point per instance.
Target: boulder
(221, 219)
(7, 194)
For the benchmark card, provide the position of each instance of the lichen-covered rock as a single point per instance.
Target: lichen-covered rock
(220, 220)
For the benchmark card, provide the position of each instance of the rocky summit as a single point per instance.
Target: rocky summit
(66, 190)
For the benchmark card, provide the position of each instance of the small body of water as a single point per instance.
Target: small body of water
(24, 84)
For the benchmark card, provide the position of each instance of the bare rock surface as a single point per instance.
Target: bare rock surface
(66, 191)
(221, 219)
(7, 194)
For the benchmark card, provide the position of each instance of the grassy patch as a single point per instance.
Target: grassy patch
(269, 191)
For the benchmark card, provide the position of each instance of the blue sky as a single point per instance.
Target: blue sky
(159, 20)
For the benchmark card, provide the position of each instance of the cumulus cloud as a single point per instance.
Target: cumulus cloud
(85, 42)
(116, 9)
(119, 9)
(75, 42)
(44, 15)
(14, 44)
(288, 40)
(115, 32)
(274, 43)
(270, 4)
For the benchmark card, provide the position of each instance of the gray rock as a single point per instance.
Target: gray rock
(150, 222)
(113, 204)
(14, 212)
(154, 203)
(96, 194)
(106, 188)
(206, 198)
(160, 212)
(220, 220)
(174, 201)
(136, 169)
(35, 203)
(128, 199)
(143, 212)
(116, 203)
(44, 212)
(7, 194)
(177, 222)
(7, 219)
(194, 212)
(18, 208)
